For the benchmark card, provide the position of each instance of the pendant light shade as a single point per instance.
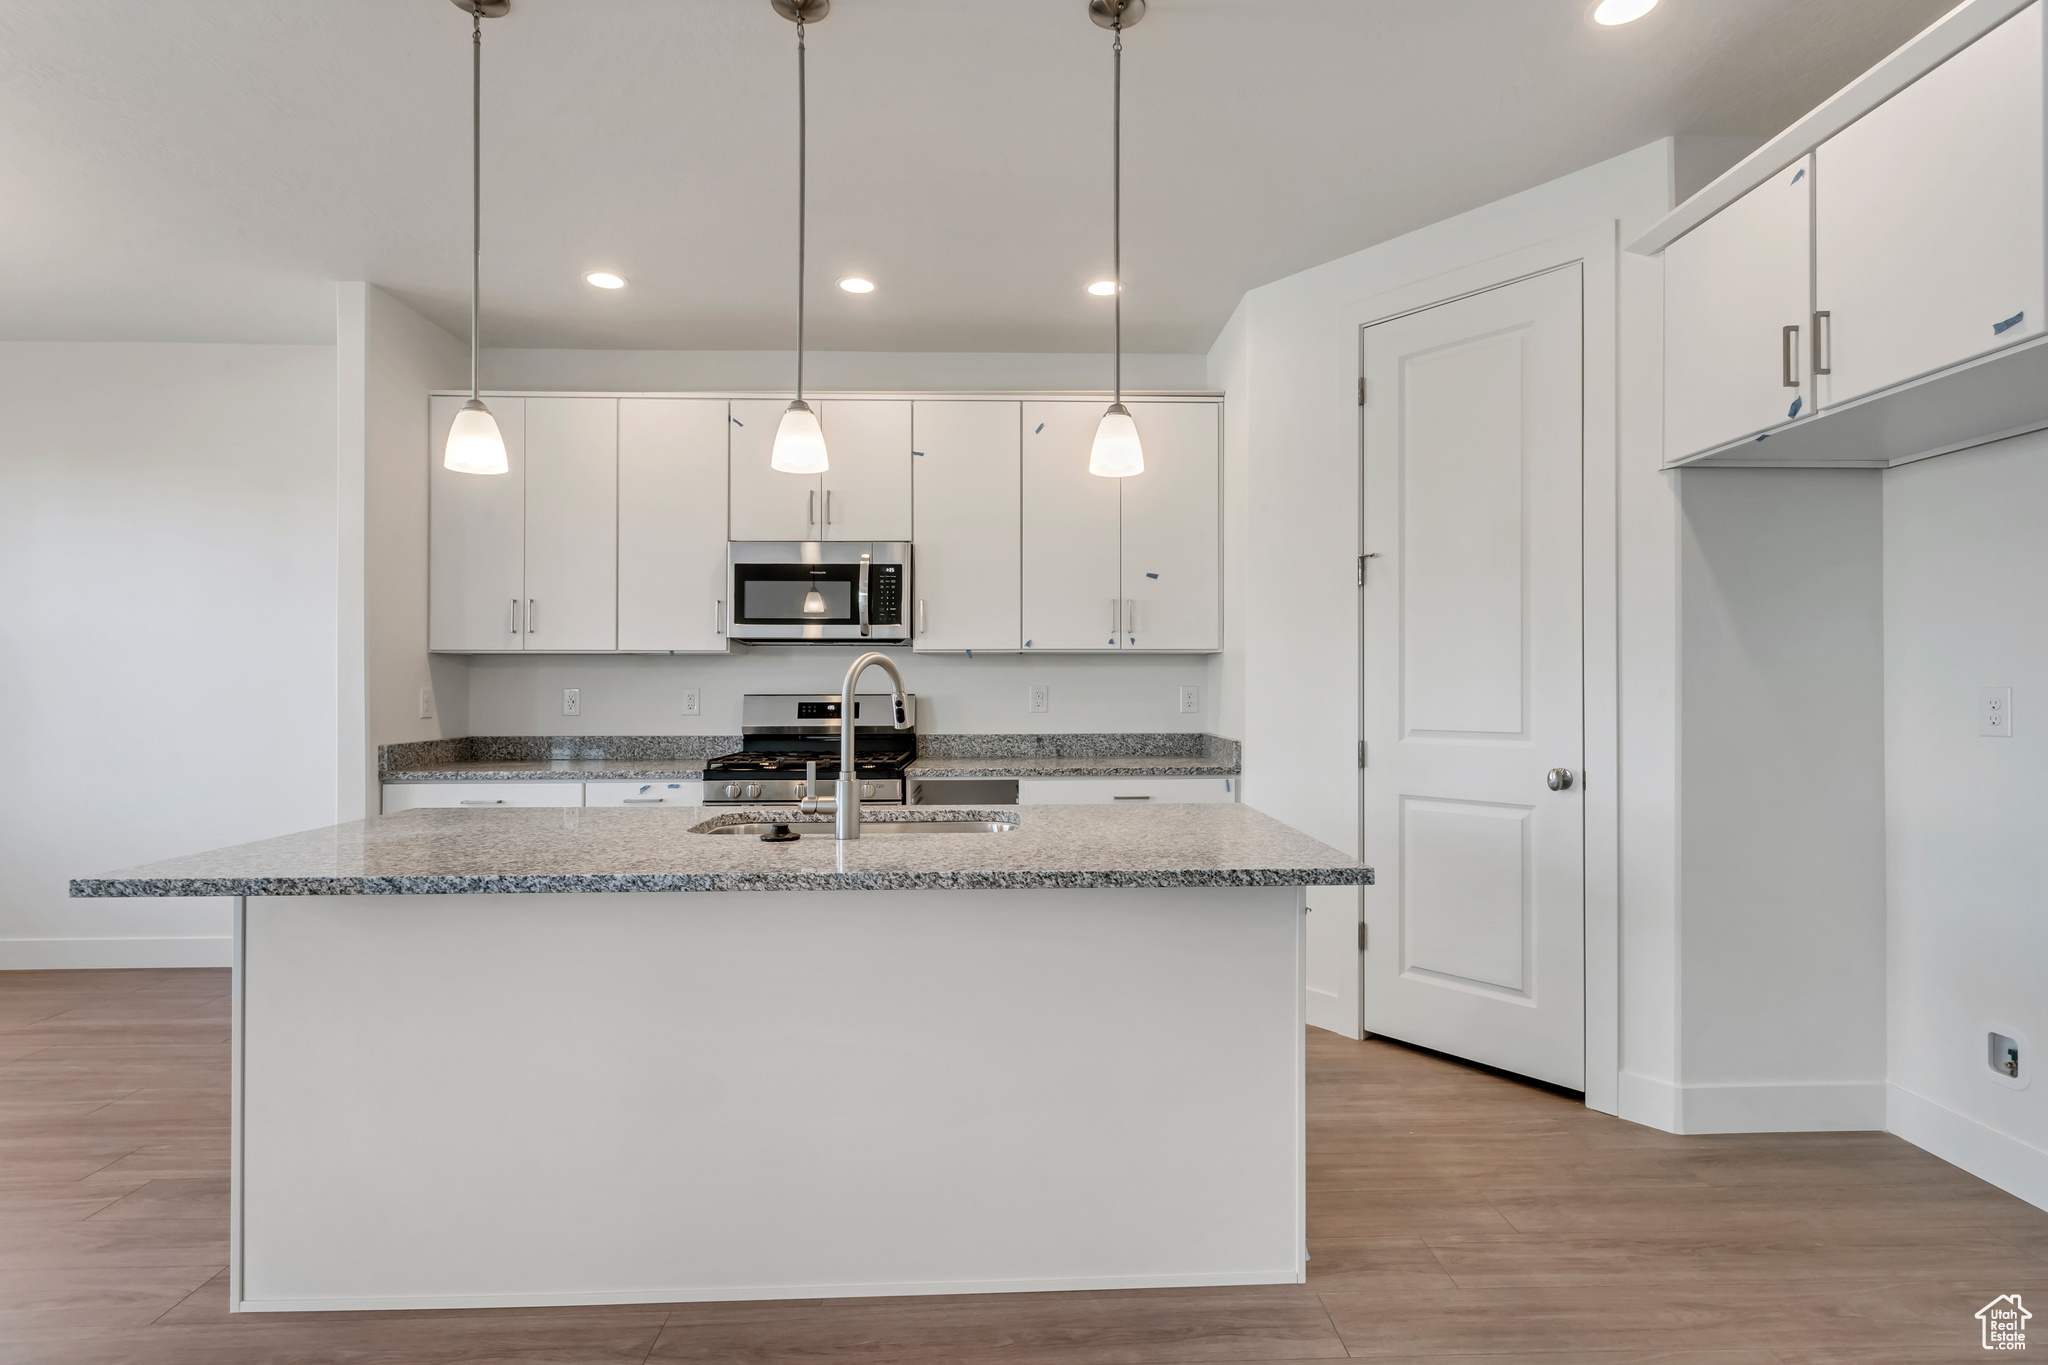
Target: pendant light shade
(814, 603)
(1117, 452)
(799, 444)
(800, 440)
(475, 445)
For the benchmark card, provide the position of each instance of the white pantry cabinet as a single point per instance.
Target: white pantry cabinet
(476, 597)
(968, 575)
(867, 491)
(672, 515)
(400, 796)
(1737, 293)
(767, 504)
(1928, 218)
(572, 525)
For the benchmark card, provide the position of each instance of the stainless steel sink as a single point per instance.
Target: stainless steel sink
(869, 829)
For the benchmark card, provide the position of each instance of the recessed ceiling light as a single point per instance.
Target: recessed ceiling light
(1612, 12)
(854, 284)
(604, 279)
(1102, 288)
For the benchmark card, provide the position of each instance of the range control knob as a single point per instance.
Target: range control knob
(867, 790)
(732, 791)
(753, 791)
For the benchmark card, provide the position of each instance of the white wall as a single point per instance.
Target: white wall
(167, 661)
(1966, 607)
(825, 371)
(390, 359)
(1781, 802)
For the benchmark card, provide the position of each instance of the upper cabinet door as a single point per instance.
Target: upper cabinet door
(476, 576)
(672, 510)
(1928, 226)
(1073, 598)
(968, 574)
(1731, 288)
(867, 489)
(1171, 581)
(572, 520)
(767, 505)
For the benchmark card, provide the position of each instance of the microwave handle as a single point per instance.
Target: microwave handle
(864, 561)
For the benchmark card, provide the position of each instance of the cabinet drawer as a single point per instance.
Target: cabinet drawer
(643, 793)
(400, 796)
(1082, 791)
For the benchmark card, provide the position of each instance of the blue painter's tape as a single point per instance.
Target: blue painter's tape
(970, 653)
(737, 422)
(1041, 427)
(918, 453)
(1027, 644)
(1797, 404)
(1999, 329)
(646, 788)
(1799, 177)
(1151, 575)
(1765, 437)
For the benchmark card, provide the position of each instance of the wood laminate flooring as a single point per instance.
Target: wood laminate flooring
(1454, 1215)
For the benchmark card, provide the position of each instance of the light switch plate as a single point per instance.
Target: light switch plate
(1190, 701)
(1994, 712)
(426, 703)
(693, 702)
(1041, 699)
(572, 701)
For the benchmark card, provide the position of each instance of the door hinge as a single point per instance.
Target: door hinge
(1361, 753)
(1361, 391)
(1361, 936)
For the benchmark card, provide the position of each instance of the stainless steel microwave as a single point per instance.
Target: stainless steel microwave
(819, 591)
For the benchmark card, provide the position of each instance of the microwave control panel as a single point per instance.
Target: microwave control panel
(885, 595)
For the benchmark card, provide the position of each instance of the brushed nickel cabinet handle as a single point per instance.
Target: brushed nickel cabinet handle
(1789, 346)
(1823, 342)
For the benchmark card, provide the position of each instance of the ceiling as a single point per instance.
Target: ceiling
(204, 169)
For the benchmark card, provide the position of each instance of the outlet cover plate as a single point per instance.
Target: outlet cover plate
(1994, 712)
(572, 701)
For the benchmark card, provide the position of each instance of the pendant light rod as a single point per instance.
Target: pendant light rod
(476, 182)
(803, 162)
(1116, 216)
(800, 439)
(1118, 451)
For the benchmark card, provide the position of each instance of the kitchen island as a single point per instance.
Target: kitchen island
(593, 1055)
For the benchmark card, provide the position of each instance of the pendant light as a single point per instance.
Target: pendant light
(800, 441)
(814, 603)
(474, 443)
(1117, 453)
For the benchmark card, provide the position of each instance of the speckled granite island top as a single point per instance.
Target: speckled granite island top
(606, 849)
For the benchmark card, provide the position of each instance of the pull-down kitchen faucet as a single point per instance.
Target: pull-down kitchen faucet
(846, 805)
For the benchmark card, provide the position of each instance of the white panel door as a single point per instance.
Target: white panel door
(867, 489)
(1928, 218)
(969, 553)
(476, 539)
(1731, 288)
(767, 505)
(1171, 582)
(672, 509)
(572, 523)
(1073, 589)
(1474, 679)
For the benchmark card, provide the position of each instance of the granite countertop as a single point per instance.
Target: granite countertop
(554, 770)
(1124, 765)
(611, 849)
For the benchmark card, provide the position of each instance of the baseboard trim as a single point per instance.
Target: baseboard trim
(91, 954)
(1792, 1107)
(2013, 1164)
(1648, 1101)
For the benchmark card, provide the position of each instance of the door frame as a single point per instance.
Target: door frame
(1595, 249)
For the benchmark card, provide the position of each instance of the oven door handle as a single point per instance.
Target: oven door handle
(864, 561)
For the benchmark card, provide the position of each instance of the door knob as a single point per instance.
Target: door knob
(1559, 778)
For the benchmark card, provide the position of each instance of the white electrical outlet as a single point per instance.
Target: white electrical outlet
(572, 701)
(1190, 701)
(426, 703)
(1994, 712)
(1041, 699)
(693, 703)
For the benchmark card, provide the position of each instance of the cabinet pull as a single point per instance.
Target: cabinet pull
(1130, 615)
(642, 801)
(1114, 609)
(828, 507)
(718, 617)
(811, 508)
(1823, 342)
(1130, 798)
(1789, 346)
(513, 617)
(920, 616)
(532, 617)
(483, 803)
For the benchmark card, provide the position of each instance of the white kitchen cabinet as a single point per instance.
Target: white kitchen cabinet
(672, 518)
(867, 491)
(767, 504)
(1732, 287)
(1928, 218)
(638, 794)
(400, 796)
(969, 531)
(1171, 532)
(477, 538)
(1083, 791)
(1073, 586)
(572, 509)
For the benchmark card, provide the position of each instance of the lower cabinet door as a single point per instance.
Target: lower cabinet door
(643, 793)
(1087, 791)
(400, 796)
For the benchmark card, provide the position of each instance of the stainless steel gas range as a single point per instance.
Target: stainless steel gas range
(785, 731)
